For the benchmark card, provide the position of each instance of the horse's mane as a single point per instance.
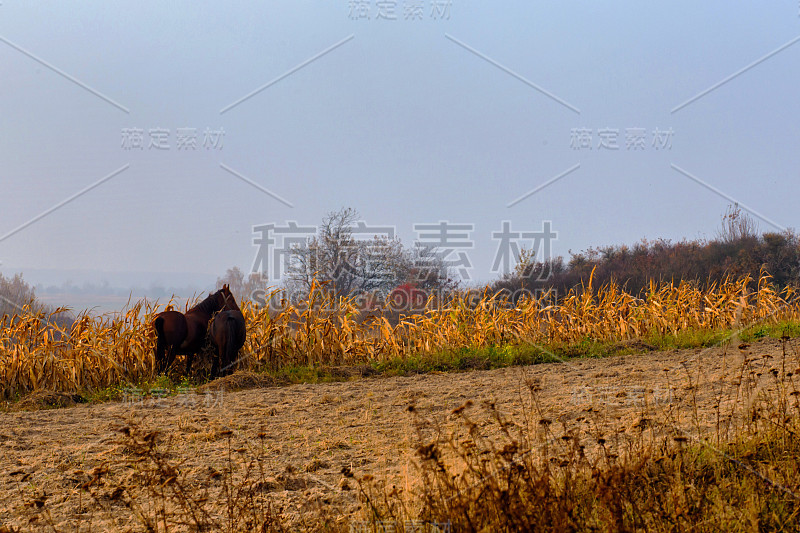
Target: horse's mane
(230, 304)
(209, 305)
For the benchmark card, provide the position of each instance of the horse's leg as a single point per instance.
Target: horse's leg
(196, 328)
(171, 330)
(213, 336)
(189, 357)
(231, 349)
(171, 351)
(215, 364)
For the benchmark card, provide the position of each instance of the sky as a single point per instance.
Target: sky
(142, 142)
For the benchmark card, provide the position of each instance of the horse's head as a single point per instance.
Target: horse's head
(225, 298)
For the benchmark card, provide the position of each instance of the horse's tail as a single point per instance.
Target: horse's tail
(158, 324)
(231, 348)
(160, 354)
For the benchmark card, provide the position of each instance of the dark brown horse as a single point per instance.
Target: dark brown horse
(185, 334)
(227, 332)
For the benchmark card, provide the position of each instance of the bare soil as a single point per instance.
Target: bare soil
(63, 467)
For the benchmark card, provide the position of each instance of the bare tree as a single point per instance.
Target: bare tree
(736, 225)
(348, 265)
(243, 288)
(427, 269)
(14, 294)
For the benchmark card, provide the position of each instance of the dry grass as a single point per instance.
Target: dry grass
(495, 473)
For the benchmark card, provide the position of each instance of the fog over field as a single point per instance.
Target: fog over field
(148, 147)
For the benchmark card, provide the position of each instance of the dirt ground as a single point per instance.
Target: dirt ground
(59, 467)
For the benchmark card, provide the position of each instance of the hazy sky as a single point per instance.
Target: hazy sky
(423, 112)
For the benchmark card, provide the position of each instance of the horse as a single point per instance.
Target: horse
(227, 332)
(185, 334)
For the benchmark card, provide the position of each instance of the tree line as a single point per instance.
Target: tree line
(738, 250)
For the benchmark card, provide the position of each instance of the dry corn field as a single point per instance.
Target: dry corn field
(99, 352)
(387, 454)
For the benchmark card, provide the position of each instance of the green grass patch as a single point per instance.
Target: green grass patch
(463, 359)
(690, 339)
(775, 331)
(307, 374)
(162, 386)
